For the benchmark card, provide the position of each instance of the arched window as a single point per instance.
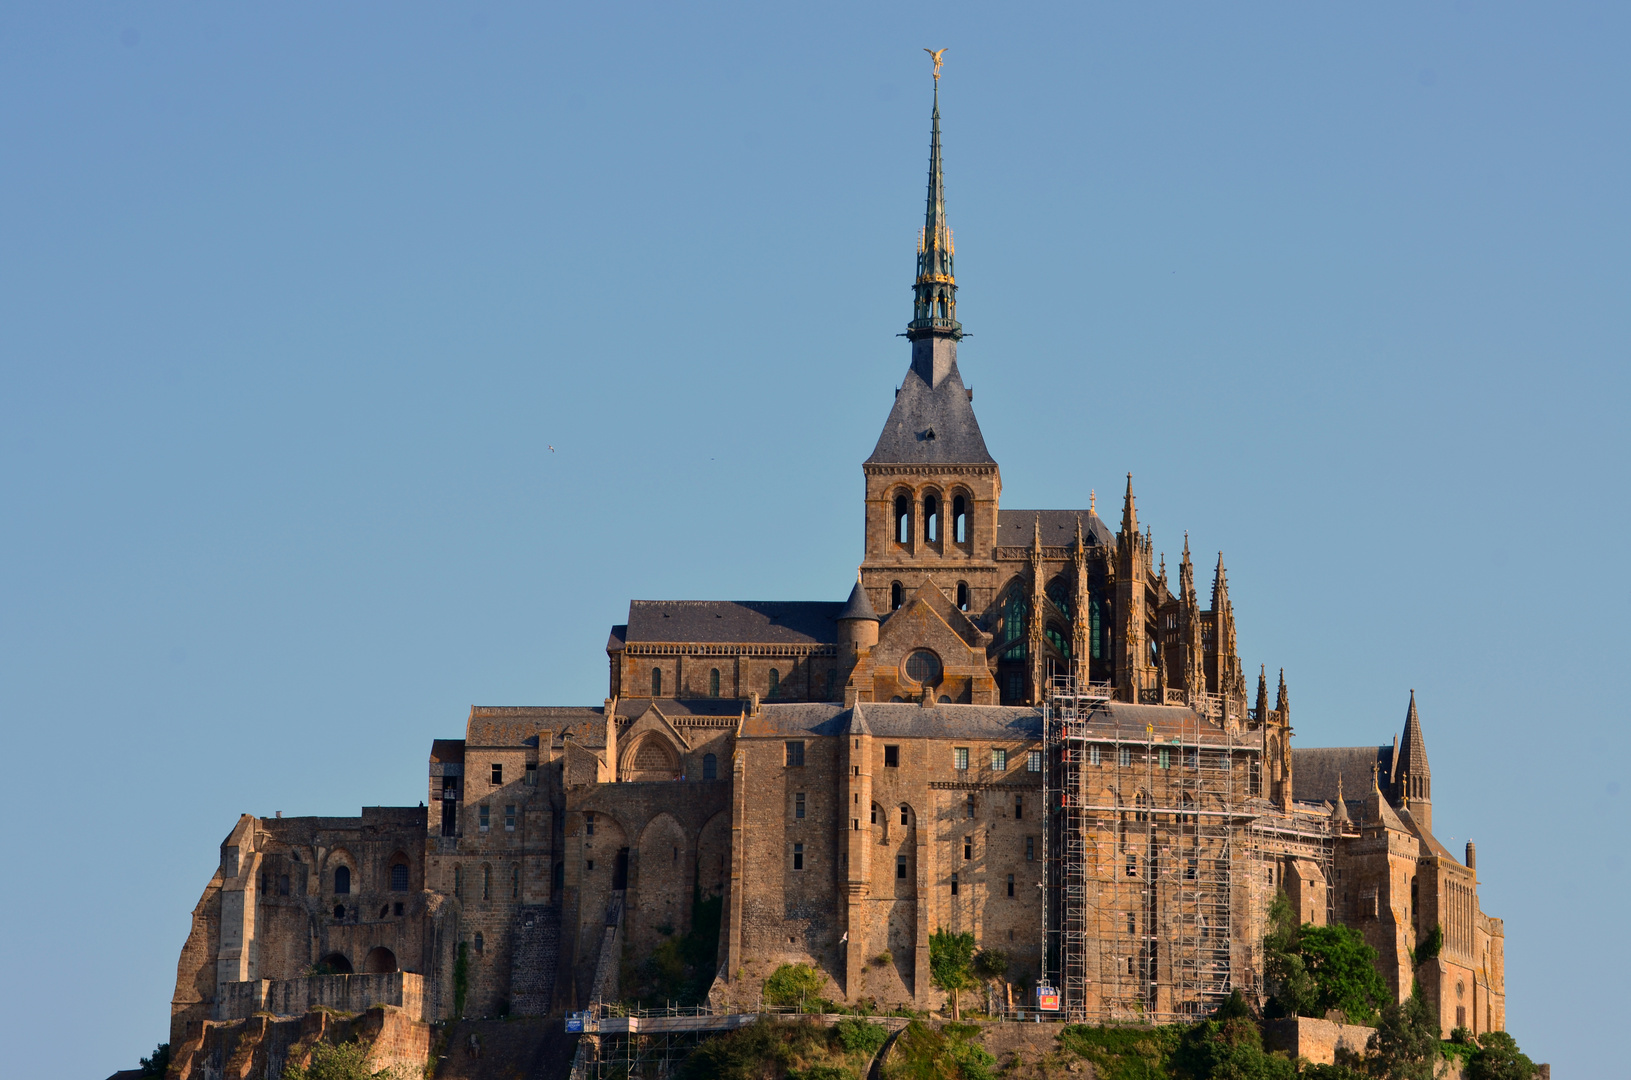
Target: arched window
(342, 880)
(481, 943)
(903, 519)
(931, 519)
(399, 877)
(1056, 638)
(713, 682)
(962, 596)
(1015, 622)
(656, 682)
(959, 519)
(775, 682)
(710, 767)
(1059, 593)
(1097, 644)
(1142, 807)
(380, 961)
(897, 595)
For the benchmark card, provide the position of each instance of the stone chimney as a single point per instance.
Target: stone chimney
(1472, 855)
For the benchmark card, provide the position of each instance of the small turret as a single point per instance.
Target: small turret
(1416, 779)
(1339, 812)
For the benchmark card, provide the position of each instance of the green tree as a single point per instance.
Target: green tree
(951, 959)
(158, 1063)
(1498, 1058)
(1406, 1040)
(1343, 970)
(1430, 946)
(1291, 990)
(348, 1061)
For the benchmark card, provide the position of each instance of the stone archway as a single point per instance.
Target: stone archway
(380, 961)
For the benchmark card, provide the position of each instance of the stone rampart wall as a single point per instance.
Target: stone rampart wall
(346, 993)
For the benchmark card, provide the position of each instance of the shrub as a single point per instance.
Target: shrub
(461, 978)
(861, 1037)
(884, 959)
(792, 984)
(1430, 946)
(921, 1053)
(345, 1062)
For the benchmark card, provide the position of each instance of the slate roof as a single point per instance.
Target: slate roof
(675, 708)
(788, 622)
(1017, 527)
(911, 720)
(898, 720)
(859, 605)
(514, 725)
(931, 425)
(1314, 772)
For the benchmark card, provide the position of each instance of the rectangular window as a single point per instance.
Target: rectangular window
(1010, 884)
(795, 755)
(954, 884)
(1132, 923)
(874, 813)
(1166, 758)
(1019, 807)
(1033, 761)
(1132, 866)
(891, 757)
(900, 867)
(532, 775)
(1126, 756)
(589, 824)
(1189, 871)
(1093, 754)
(999, 760)
(482, 819)
(591, 864)
(798, 856)
(968, 848)
(498, 774)
(959, 756)
(798, 805)
(509, 819)
(971, 804)
(1030, 849)
(903, 816)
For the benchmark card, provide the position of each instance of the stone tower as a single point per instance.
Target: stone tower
(931, 486)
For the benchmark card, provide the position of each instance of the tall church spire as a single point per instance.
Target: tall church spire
(934, 306)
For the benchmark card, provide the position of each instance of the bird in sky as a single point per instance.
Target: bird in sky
(551, 449)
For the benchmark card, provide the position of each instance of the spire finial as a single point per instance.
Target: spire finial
(1092, 502)
(1129, 511)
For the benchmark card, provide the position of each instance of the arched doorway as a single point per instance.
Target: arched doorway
(334, 964)
(381, 961)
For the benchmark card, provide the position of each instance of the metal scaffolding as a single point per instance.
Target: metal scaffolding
(1147, 807)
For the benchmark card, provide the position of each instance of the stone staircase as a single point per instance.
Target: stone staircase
(536, 949)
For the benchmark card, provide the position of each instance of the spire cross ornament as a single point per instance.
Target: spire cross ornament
(936, 54)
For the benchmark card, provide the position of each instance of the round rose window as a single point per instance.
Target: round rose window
(923, 667)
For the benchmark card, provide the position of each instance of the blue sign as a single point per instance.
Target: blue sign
(574, 1021)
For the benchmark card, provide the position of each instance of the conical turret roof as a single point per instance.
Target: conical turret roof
(859, 606)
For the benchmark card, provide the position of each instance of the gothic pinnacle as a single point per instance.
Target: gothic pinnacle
(1129, 511)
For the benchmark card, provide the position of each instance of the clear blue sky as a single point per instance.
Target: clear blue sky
(294, 300)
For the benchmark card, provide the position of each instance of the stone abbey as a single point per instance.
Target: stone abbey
(1018, 724)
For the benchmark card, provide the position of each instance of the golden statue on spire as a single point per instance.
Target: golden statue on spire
(936, 53)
